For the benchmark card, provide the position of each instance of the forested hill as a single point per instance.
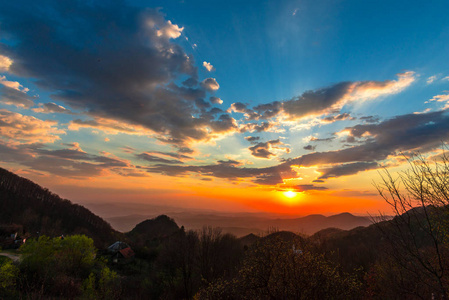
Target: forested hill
(36, 209)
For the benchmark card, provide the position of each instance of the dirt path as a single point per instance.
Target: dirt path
(14, 257)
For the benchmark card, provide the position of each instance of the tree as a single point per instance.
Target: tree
(8, 277)
(57, 266)
(283, 269)
(418, 234)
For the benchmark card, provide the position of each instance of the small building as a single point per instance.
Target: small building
(120, 252)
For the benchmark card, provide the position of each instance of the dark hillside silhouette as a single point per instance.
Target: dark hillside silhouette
(39, 211)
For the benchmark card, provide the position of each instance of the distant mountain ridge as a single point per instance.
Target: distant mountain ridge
(243, 225)
(39, 211)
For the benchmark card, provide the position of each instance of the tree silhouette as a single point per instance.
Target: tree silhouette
(418, 234)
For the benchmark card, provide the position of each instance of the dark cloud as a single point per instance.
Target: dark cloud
(259, 127)
(215, 100)
(314, 139)
(156, 159)
(370, 119)
(170, 154)
(229, 163)
(346, 169)
(326, 100)
(210, 84)
(309, 148)
(269, 110)
(252, 139)
(64, 162)
(229, 170)
(339, 117)
(264, 149)
(14, 97)
(412, 132)
(47, 108)
(309, 187)
(115, 61)
(317, 101)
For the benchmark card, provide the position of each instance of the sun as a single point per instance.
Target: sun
(290, 194)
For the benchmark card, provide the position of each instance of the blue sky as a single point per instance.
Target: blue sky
(253, 97)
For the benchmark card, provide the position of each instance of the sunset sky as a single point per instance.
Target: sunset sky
(222, 105)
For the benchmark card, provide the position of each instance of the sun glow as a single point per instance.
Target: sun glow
(290, 194)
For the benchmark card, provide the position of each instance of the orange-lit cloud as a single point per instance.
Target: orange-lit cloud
(208, 66)
(5, 63)
(47, 108)
(210, 84)
(27, 129)
(169, 30)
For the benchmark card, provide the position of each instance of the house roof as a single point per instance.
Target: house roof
(127, 252)
(117, 246)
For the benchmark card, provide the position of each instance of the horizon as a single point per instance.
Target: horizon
(289, 108)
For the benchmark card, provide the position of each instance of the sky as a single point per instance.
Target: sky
(291, 107)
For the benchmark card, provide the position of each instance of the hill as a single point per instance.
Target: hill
(243, 224)
(32, 209)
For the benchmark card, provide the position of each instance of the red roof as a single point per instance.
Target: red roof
(127, 252)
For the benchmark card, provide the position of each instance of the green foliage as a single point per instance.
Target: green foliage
(106, 285)
(56, 266)
(8, 277)
(73, 255)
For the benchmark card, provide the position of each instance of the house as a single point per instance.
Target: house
(120, 252)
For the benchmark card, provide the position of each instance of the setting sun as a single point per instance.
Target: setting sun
(290, 194)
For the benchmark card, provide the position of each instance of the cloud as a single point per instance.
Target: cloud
(215, 100)
(258, 127)
(12, 96)
(314, 139)
(210, 84)
(169, 30)
(326, 100)
(171, 154)
(309, 187)
(309, 148)
(252, 139)
(367, 90)
(128, 149)
(431, 79)
(19, 128)
(156, 159)
(333, 98)
(370, 119)
(109, 126)
(13, 84)
(268, 149)
(48, 108)
(70, 162)
(128, 77)
(208, 66)
(405, 133)
(5, 63)
(346, 169)
(445, 78)
(317, 102)
(441, 98)
(228, 170)
(339, 117)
